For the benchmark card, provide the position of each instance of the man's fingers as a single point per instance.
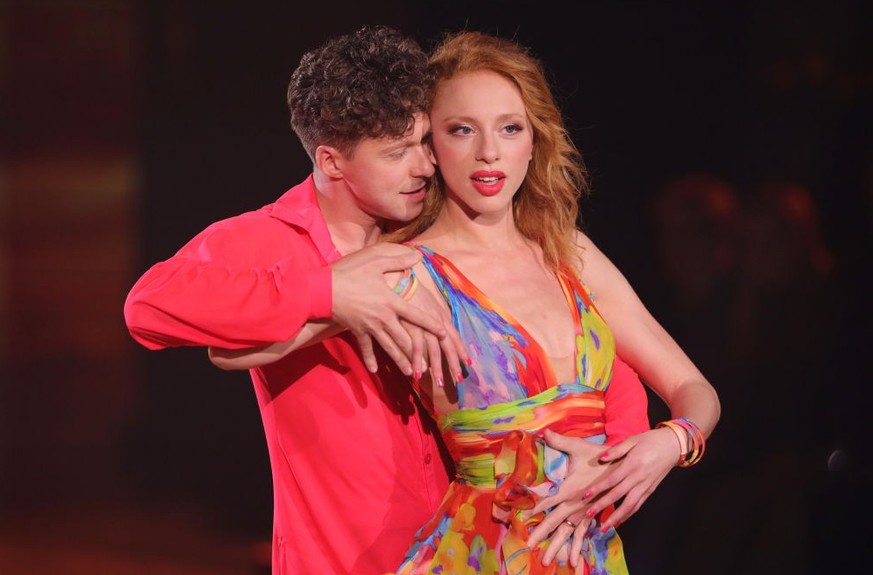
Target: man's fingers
(400, 262)
(394, 340)
(380, 257)
(367, 353)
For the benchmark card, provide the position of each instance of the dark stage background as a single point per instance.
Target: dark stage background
(730, 146)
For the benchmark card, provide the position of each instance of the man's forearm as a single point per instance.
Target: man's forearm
(185, 302)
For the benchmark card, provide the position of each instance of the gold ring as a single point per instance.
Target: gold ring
(570, 523)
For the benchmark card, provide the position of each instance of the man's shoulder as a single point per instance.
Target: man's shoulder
(256, 237)
(288, 214)
(248, 230)
(253, 222)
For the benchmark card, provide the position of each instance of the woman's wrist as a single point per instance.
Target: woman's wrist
(692, 442)
(407, 284)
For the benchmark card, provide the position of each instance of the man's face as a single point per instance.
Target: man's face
(388, 176)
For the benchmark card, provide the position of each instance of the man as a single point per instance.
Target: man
(355, 471)
(356, 467)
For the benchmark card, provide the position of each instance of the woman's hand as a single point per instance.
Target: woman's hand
(630, 470)
(568, 503)
(637, 466)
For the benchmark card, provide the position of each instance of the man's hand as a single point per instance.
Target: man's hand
(366, 304)
(631, 470)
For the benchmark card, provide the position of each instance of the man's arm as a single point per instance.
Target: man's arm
(365, 303)
(228, 288)
(251, 281)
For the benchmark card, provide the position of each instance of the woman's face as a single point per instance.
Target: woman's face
(482, 139)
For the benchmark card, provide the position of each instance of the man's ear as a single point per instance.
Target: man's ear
(330, 161)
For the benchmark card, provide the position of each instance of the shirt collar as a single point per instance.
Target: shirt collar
(299, 208)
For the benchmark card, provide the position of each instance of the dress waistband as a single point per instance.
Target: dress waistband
(487, 444)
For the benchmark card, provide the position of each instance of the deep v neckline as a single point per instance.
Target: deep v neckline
(509, 319)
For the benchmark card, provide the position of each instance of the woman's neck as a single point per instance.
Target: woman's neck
(459, 231)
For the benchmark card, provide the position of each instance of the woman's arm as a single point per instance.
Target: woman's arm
(639, 463)
(646, 345)
(645, 459)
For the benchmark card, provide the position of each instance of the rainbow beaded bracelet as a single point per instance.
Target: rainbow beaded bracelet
(407, 284)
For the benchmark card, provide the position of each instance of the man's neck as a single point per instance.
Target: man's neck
(351, 229)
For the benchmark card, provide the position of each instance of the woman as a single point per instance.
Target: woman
(501, 220)
(500, 245)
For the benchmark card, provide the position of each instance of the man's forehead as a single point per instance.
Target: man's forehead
(419, 126)
(418, 129)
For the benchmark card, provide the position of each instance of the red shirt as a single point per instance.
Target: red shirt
(356, 469)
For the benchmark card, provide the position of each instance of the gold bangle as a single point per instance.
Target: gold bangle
(695, 441)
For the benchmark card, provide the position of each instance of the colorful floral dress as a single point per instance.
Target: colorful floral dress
(507, 398)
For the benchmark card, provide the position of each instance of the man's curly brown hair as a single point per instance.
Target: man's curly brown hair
(367, 84)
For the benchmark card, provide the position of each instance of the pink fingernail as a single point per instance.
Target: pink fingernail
(440, 382)
(604, 455)
(416, 375)
(590, 513)
(468, 361)
(586, 495)
(604, 529)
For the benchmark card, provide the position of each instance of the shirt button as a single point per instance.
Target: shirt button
(427, 459)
